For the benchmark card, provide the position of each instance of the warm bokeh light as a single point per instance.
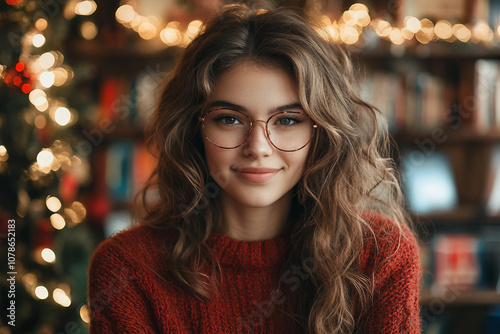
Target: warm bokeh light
(79, 210)
(47, 60)
(396, 37)
(125, 14)
(61, 297)
(349, 18)
(48, 255)
(193, 28)
(41, 292)
(443, 29)
(38, 40)
(462, 32)
(147, 30)
(41, 24)
(3, 151)
(85, 313)
(136, 21)
(85, 8)
(62, 116)
(88, 30)
(412, 24)
(426, 32)
(40, 122)
(42, 104)
(481, 32)
(37, 97)
(349, 35)
(47, 79)
(360, 13)
(60, 76)
(29, 280)
(45, 158)
(382, 27)
(53, 203)
(407, 33)
(171, 34)
(57, 221)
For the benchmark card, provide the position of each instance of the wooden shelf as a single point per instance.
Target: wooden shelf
(460, 215)
(456, 297)
(115, 58)
(457, 51)
(464, 135)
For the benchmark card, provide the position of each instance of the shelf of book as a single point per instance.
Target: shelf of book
(466, 134)
(460, 215)
(454, 296)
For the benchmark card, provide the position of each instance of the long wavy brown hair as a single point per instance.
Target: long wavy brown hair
(348, 171)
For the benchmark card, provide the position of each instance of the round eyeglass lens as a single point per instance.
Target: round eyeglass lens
(287, 131)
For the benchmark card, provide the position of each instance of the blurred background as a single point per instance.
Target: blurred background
(79, 78)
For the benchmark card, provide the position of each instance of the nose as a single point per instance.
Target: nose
(257, 144)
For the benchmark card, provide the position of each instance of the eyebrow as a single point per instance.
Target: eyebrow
(226, 104)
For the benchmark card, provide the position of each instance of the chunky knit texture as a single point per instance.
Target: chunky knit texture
(131, 289)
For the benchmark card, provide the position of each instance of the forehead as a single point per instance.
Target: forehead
(256, 87)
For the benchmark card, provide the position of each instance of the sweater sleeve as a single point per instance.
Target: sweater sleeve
(396, 270)
(116, 301)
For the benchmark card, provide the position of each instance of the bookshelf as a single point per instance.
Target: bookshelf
(443, 99)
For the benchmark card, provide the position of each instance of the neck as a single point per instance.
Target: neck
(249, 223)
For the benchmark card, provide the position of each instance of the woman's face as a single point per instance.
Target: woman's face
(255, 174)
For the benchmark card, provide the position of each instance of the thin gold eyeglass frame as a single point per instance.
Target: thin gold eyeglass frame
(202, 119)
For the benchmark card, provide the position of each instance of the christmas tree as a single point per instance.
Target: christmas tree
(44, 242)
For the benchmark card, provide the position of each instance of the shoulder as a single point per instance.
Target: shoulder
(387, 242)
(142, 244)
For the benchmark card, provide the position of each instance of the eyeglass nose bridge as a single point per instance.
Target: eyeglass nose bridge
(267, 132)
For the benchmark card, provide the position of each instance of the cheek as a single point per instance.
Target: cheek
(218, 164)
(298, 162)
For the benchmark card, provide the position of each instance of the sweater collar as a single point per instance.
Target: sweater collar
(249, 254)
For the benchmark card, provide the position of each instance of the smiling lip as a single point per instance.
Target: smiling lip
(257, 174)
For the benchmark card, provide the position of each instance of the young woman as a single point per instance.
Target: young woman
(278, 209)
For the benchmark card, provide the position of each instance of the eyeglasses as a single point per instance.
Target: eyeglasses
(287, 131)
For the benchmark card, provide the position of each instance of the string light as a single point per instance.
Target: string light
(46, 60)
(41, 24)
(61, 76)
(62, 116)
(47, 79)
(57, 221)
(349, 35)
(48, 255)
(85, 8)
(45, 158)
(125, 14)
(53, 203)
(88, 30)
(347, 30)
(147, 30)
(171, 35)
(41, 292)
(412, 24)
(40, 122)
(85, 313)
(38, 40)
(443, 29)
(61, 297)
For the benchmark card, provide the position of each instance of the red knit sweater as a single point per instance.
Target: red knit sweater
(132, 291)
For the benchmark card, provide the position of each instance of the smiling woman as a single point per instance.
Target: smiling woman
(258, 176)
(278, 208)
